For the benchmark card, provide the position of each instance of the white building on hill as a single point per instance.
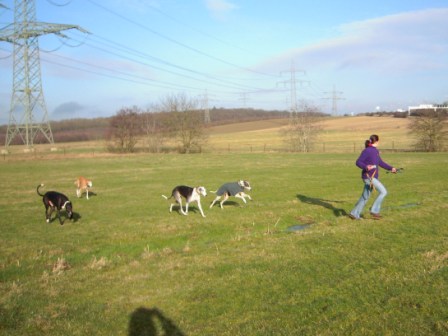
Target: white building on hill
(435, 107)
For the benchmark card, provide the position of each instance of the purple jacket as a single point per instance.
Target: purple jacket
(371, 156)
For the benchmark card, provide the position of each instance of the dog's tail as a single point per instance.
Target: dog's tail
(166, 197)
(37, 189)
(213, 191)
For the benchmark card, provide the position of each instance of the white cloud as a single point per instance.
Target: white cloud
(414, 41)
(220, 8)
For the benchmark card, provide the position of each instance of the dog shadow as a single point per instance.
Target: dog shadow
(193, 209)
(76, 217)
(227, 203)
(151, 322)
(91, 193)
(338, 212)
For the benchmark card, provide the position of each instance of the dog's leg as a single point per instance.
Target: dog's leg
(226, 197)
(171, 207)
(47, 215)
(200, 208)
(78, 192)
(214, 201)
(59, 216)
(186, 207)
(179, 201)
(87, 193)
(241, 196)
(246, 195)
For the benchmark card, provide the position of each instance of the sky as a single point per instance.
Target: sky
(339, 57)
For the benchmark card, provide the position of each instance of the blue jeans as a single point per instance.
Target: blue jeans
(376, 207)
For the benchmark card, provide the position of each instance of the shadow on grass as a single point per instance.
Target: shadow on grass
(193, 209)
(91, 193)
(228, 203)
(338, 212)
(151, 322)
(76, 217)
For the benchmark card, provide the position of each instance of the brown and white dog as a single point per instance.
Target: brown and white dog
(83, 185)
(190, 194)
(54, 200)
(232, 189)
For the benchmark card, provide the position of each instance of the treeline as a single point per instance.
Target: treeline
(76, 130)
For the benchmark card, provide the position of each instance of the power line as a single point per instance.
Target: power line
(125, 49)
(177, 42)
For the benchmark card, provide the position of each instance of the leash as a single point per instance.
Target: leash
(372, 187)
(399, 171)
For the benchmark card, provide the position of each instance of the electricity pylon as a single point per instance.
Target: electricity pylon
(292, 86)
(27, 98)
(334, 98)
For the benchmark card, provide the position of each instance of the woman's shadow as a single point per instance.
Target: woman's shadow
(151, 322)
(338, 212)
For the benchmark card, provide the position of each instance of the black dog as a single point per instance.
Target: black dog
(54, 200)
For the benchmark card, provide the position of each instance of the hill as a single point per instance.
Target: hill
(76, 130)
(338, 135)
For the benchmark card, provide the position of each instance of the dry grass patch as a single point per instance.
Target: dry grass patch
(436, 260)
(98, 264)
(60, 266)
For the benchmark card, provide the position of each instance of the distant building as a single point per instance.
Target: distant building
(434, 107)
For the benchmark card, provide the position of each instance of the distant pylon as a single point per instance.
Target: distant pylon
(206, 108)
(292, 86)
(334, 98)
(27, 98)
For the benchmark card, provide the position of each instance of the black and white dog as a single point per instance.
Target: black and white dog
(54, 200)
(232, 189)
(190, 194)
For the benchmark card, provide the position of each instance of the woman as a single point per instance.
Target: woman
(370, 161)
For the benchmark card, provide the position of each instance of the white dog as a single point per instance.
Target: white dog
(190, 194)
(232, 189)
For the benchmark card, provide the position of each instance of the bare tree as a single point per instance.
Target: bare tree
(186, 122)
(124, 129)
(155, 129)
(302, 131)
(429, 129)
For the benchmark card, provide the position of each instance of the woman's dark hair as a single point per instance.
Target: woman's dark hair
(373, 138)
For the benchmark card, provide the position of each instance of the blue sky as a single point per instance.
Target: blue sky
(371, 55)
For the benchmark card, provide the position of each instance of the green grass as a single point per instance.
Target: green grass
(127, 263)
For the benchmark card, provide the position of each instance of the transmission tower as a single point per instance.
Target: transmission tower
(204, 103)
(27, 98)
(334, 97)
(292, 86)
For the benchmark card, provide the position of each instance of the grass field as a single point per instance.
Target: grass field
(126, 266)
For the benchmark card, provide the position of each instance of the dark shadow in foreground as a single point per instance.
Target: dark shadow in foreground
(338, 212)
(151, 322)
